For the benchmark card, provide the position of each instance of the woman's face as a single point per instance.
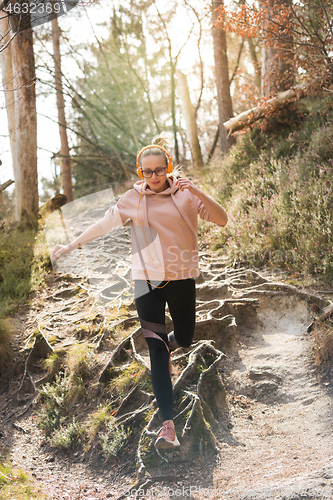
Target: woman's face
(156, 182)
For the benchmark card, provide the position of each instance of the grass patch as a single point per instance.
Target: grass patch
(113, 439)
(96, 422)
(16, 484)
(80, 362)
(24, 259)
(71, 436)
(127, 378)
(69, 387)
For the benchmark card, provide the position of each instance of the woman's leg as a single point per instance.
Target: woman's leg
(151, 311)
(181, 302)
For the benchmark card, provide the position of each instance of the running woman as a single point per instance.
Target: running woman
(163, 211)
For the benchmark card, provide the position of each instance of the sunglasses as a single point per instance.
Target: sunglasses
(159, 171)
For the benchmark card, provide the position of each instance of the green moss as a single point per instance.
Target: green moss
(203, 438)
(148, 454)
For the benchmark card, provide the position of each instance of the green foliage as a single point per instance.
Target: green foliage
(113, 439)
(71, 436)
(55, 397)
(114, 110)
(24, 258)
(277, 189)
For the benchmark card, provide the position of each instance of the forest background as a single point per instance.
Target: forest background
(244, 91)
(140, 59)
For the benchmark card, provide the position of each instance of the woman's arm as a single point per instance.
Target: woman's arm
(217, 212)
(88, 235)
(112, 219)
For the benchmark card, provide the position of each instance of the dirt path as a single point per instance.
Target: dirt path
(282, 416)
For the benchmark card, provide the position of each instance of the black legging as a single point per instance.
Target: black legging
(150, 303)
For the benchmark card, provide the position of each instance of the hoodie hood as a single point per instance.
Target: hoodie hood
(146, 189)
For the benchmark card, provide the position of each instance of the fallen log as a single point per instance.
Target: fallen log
(247, 117)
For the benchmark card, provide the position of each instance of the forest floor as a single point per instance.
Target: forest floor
(278, 442)
(277, 439)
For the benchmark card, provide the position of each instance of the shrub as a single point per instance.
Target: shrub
(71, 436)
(55, 398)
(113, 439)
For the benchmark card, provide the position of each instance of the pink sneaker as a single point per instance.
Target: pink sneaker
(167, 437)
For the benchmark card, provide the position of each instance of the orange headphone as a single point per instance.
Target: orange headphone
(169, 166)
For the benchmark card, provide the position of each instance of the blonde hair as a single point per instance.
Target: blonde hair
(160, 140)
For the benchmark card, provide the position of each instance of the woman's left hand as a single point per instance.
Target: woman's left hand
(184, 183)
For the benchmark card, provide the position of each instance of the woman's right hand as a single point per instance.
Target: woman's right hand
(59, 250)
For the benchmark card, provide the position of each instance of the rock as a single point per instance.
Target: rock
(264, 373)
(263, 389)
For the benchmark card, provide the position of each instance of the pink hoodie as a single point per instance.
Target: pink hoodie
(164, 230)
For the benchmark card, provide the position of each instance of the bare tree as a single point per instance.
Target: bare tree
(221, 75)
(66, 164)
(191, 124)
(23, 121)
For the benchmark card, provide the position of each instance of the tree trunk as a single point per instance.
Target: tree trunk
(222, 77)
(255, 62)
(191, 124)
(278, 69)
(66, 164)
(26, 181)
(173, 108)
(6, 63)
